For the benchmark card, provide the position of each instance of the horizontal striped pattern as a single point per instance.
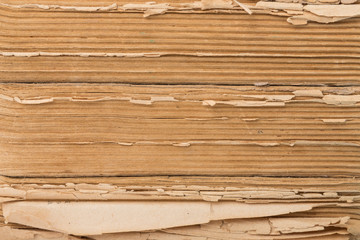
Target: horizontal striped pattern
(104, 128)
(249, 49)
(195, 105)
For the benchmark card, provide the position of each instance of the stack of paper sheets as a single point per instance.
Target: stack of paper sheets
(185, 120)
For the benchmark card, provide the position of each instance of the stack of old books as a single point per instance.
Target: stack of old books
(184, 120)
